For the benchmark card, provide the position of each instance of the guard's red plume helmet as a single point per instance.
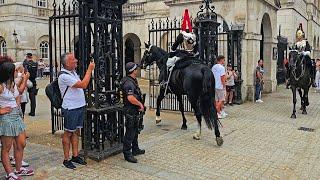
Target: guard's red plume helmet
(186, 23)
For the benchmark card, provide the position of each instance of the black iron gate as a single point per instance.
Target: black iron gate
(96, 34)
(162, 33)
(282, 54)
(63, 37)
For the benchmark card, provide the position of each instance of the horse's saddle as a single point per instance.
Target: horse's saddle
(187, 61)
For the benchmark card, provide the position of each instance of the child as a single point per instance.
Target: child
(23, 91)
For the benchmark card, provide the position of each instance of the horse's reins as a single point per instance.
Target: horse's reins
(295, 68)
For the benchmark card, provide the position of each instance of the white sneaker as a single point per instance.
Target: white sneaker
(13, 162)
(223, 113)
(221, 116)
(259, 101)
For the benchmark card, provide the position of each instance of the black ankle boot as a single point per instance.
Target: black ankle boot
(130, 158)
(138, 152)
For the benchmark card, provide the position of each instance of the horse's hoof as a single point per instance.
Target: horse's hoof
(184, 127)
(293, 116)
(158, 119)
(219, 141)
(196, 137)
(304, 112)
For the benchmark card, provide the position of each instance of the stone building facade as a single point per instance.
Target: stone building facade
(24, 28)
(307, 12)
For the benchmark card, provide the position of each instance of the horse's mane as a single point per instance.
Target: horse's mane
(161, 54)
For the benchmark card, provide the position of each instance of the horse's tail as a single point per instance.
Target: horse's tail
(207, 107)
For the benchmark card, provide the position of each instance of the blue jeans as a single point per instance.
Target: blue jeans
(258, 90)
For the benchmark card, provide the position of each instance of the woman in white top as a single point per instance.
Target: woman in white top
(12, 128)
(231, 76)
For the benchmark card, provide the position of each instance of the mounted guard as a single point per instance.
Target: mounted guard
(187, 40)
(300, 71)
(304, 49)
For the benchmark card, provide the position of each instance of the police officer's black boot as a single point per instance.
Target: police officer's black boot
(137, 152)
(129, 157)
(135, 146)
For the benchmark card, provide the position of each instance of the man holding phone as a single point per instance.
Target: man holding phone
(31, 67)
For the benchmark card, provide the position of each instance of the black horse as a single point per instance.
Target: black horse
(195, 80)
(300, 67)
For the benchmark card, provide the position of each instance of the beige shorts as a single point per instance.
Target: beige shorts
(220, 95)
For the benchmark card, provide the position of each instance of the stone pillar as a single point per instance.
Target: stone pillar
(250, 51)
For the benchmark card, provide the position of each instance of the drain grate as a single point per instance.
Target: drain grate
(306, 129)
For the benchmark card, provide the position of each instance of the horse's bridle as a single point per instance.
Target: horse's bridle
(148, 54)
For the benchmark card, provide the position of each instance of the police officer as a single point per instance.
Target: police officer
(32, 67)
(132, 100)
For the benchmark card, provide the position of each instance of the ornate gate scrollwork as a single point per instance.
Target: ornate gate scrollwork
(98, 26)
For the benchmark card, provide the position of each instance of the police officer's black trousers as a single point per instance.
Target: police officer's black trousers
(130, 140)
(32, 96)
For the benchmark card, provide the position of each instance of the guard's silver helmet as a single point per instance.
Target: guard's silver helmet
(189, 38)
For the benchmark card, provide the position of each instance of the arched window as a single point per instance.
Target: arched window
(42, 3)
(44, 50)
(1, 1)
(3, 48)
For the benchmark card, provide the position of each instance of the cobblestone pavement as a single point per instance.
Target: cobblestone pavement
(261, 142)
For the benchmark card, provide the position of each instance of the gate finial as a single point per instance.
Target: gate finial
(206, 10)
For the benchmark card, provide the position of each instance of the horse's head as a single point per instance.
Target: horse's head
(151, 54)
(146, 60)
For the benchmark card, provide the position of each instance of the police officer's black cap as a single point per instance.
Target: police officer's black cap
(29, 54)
(131, 66)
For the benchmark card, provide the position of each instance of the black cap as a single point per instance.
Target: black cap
(29, 54)
(131, 66)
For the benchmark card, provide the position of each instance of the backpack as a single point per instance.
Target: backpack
(53, 92)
